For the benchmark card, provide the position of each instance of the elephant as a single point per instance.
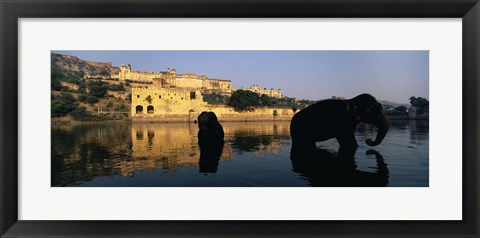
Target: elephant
(211, 141)
(210, 130)
(338, 119)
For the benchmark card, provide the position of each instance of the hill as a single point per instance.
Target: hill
(67, 63)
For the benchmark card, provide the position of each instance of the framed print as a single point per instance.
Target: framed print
(275, 118)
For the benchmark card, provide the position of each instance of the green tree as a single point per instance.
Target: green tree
(419, 103)
(265, 100)
(82, 86)
(105, 72)
(117, 87)
(80, 114)
(63, 104)
(402, 109)
(92, 99)
(215, 98)
(97, 88)
(82, 98)
(242, 100)
(56, 77)
(275, 113)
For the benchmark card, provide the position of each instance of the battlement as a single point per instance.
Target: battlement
(276, 93)
(170, 78)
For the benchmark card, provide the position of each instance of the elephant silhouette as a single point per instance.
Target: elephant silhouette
(338, 119)
(211, 142)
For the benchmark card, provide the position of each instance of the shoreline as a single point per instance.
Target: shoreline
(183, 120)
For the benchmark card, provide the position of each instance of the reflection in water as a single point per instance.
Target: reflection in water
(323, 168)
(254, 154)
(84, 152)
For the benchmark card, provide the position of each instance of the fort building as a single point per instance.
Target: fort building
(275, 93)
(151, 103)
(170, 79)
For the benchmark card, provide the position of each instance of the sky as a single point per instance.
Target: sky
(387, 75)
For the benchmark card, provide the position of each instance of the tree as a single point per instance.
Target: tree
(419, 103)
(215, 98)
(80, 114)
(242, 100)
(82, 98)
(92, 99)
(104, 72)
(402, 109)
(117, 87)
(265, 100)
(275, 113)
(97, 88)
(63, 104)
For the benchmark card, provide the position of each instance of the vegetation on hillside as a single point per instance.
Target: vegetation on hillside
(242, 100)
(73, 64)
(80, 97)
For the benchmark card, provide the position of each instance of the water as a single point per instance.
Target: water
(255, 154)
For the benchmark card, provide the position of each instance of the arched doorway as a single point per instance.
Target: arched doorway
(150, 109)
(139, 109)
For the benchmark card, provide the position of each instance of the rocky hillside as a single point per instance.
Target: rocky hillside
(67, 63)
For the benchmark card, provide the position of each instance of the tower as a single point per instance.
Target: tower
(123, 72)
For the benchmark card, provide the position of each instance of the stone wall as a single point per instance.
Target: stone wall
(175, 105)
(170, 79)
(275, 93)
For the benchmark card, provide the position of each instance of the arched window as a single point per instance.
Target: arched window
(139, 109)
(150, 109)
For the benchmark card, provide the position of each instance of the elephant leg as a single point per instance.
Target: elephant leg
(301, 148)
(348, 145)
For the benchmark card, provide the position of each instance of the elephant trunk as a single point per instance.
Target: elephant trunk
(382, 125)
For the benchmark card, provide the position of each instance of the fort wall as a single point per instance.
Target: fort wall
(175, 105)
(170, 79)
(275, 93)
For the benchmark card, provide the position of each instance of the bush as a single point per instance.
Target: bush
(97, 88)
(215, 98)
(117, 87)
(82, 98)
(63, 104)
(80, 114)
(109, 104)
(242, 100)
(121, 108)
(92, 99)
(265, 100)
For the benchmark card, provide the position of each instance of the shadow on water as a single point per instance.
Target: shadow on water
(323, 168)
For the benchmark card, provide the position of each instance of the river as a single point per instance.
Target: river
(255, 154)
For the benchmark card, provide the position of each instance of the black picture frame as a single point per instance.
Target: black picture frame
(11, 11)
